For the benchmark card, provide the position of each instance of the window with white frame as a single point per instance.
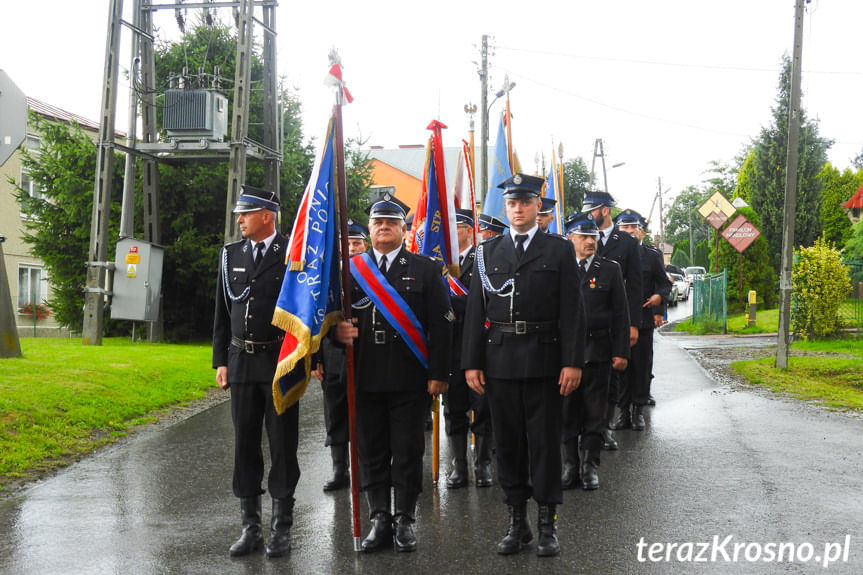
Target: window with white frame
(32, 285)
(30, 186)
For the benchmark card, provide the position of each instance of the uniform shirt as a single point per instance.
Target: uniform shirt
(390, 365)
(248, 318)
(542, 291)
(530, 233)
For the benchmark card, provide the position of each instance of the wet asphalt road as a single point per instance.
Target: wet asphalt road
(714, 461)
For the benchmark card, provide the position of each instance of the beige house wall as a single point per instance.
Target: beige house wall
(17, 253)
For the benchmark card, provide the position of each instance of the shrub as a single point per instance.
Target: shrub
(820, 283)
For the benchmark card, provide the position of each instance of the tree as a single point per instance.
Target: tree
(702, 254)
(680, 256)
(838, 187)
(192, 198)
(683, 211)
(767, 190)
(576, 178)
(57, 226)
(193, 193)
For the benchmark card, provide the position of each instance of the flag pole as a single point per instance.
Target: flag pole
(509, 135)
(469, 165)
(348, 313)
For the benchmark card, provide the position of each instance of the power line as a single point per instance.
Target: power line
(623, 110)
(670, 64)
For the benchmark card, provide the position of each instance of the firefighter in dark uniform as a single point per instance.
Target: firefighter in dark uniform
(460, 400)
(332, 372)
(490, 226)
(607, 349)
(245, 353)
(656, 288)
(528, 357)
(394, 389)
(546, 214)
(622, 248)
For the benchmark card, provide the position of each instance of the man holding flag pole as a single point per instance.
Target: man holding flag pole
(403, 332)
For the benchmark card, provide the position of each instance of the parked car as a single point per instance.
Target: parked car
(693, 272)
(680, 287)
(674, 296)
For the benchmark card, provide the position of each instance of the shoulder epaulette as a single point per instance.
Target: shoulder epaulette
(491, 239)
(235, 242)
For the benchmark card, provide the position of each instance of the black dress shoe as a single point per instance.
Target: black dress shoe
(252, 537)
(482, 462)
(589, 476)
(458, 476)
(650, 401)
(381, 535)
(638, 423)
(405, 538)
(518, 535)
(547, 545)
(609, 443)
(280, 527)
(624, 420)
(570, 478)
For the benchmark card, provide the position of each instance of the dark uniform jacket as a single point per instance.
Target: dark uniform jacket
(391, 365)
(248, 318)
(459, 305)
(542, 293)
(654, 281)
(623, 248)
(607, 311)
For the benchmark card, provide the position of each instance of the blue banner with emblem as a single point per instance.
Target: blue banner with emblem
(309, 301)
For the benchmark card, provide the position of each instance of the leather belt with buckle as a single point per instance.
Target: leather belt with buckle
(256, 346)
(525, 327)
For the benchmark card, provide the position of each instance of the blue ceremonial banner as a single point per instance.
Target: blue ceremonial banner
(552, 191)
(309, 302)
(498, 171)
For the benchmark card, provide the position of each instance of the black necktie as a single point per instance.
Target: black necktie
(519, 244)
(259, 252)
(583, 265)
(383, 265)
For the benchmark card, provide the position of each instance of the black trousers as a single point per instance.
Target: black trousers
(636, 384)
(391, 439)
(458, 401)
(251, 408)
(335, 413)
(526, 416)
(584, 409)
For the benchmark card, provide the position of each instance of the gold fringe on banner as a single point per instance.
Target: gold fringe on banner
(306, 347)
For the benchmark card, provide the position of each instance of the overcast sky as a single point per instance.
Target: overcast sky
(669, 85)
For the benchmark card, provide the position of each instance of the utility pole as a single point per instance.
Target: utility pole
(483, 136)
(240, 118)
(790, 210)
(127, 215)
(691, 247)
(599, 152)
(94, 293)
(661, 225)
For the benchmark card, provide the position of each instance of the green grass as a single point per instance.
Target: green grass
(63, 399)
(766, 321)
(829, 372)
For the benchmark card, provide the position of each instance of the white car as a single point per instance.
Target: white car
(680, 287)
(693, 272)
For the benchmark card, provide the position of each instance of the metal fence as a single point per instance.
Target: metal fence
(851, 310)
(708, 300)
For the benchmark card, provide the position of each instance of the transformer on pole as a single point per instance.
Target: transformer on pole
(197, 119)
